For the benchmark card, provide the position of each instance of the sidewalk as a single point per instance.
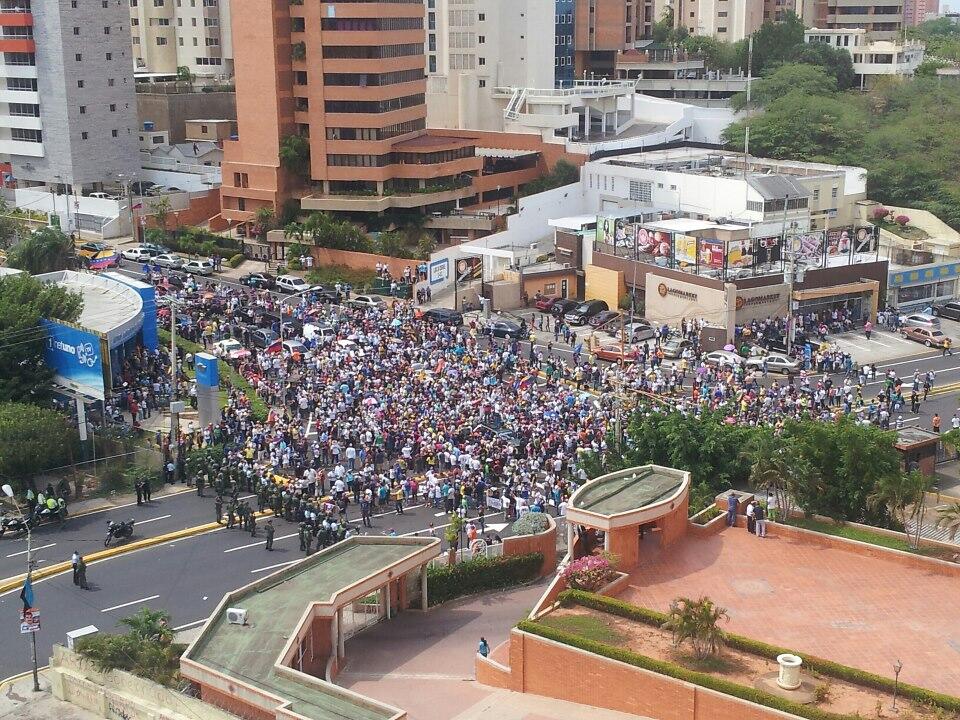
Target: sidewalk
(18, 700)
(91, 505)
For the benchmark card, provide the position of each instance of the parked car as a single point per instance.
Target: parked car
(318, 333)
(545, 302)
(291, 284)
(674, 347)
(158, 249)
(723, 358)
(198, 267)
(921, 320)
(223, 348)
(604, 317)
(931, 337)
(138, 253)
(103, 196)
(91, 249)
(636, 331)
(259, 280)
(367, 301)
(950, 310)
(446, 316)
(776, 362)
(319, 293)
(169, 260)
(614, 352)
(562, 306)
(263, 338)
(582, 313)
(294, 347)
(505, 329)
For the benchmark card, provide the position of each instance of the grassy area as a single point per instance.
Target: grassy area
(866, 536)
(586, 626)
(259, 407)
(331, 274)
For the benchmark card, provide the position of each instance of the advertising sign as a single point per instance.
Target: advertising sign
(839, 242)
(865, 240)
(439, 271)
(684, 250)
(78, 357)
(655, 246)
(29, 621)
(808, 248)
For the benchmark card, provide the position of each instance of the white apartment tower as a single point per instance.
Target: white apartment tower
(170, 34)
(68, 112)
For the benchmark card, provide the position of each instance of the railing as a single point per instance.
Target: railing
(489, 551)
(580, 89)
(512, 111)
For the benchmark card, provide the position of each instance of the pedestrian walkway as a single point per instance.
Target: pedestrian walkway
(18, 700)
(882, 346)
(96, 504)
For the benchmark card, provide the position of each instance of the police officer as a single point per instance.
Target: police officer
(303, 536)
(308, 539)
(218, 508)
(231, 516)
(201, 481)
(269, 529)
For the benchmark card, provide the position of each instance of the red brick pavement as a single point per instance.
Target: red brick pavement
(835, 604)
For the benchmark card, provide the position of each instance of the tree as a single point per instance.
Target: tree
(948, 518)
(777, 468)
(149, 624)
(23, 302)
(145, 651)
(716, 54)
(294, 155)
(12, 228)
(264, 217)
(773, 43)
(563, 173)
(185, 76)
(161, 210)
(836, 62)
(392, 244)
(900, 493)
(42, 251)
(697, 621)
(32, 439)
(294, 230)
(806, 79)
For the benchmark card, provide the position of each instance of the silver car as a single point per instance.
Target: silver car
(169, 260)
(775, 363)
(920, 320)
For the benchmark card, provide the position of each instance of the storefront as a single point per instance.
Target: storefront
(916, 288)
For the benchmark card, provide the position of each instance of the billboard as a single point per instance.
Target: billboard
(78, 357)
(439, 271)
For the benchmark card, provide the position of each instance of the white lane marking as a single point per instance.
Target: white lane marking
(439, 514)
(496, 527)
(271, 567)
(24, 552)
(190, 625)
(260, 543)
(162, 517)
(441, 527)
(127, 604)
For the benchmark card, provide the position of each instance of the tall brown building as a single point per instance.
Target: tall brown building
(883, 19)
(348, 77)
(605, 27)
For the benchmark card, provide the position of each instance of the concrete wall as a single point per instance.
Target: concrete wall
(603, 284)
(544, 542)
(323, 257)
(171, 112)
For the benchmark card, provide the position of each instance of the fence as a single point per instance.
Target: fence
(488, 551)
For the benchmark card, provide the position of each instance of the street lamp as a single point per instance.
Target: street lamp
(8, 491)
(897, 667)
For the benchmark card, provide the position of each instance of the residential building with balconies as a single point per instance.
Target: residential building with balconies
(883, 19)
(67, 105)
(871, 57)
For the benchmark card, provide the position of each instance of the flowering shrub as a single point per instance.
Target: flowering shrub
(901, 220)
(879, 213)
(589, 573)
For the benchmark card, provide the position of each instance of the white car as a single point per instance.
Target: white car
(723, 358)
(367, 301)
(292, 284)
(137, 253)
(320, 333)
(169, 260)
(199, 267)
(776, 362)
(223, 348)
(634, 332)
(920, 320)
(294, 347)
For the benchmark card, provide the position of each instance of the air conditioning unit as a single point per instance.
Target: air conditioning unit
(236, 616)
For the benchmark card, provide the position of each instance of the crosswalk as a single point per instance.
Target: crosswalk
(881, 346)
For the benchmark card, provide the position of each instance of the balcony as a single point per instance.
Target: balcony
(9, 18)
(31, 97)
(18, 71)
(18, 147)
(27, 122)
(379, 203)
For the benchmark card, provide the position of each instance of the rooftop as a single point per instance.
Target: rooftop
(432, 142)
(110, 307)
(629, 491)
(277, 604)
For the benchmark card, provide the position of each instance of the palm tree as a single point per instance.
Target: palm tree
(264, 217)
(699, 622)
(948, 517)
(776, 468)
(161, 212)
(294, 230)
(149, 624)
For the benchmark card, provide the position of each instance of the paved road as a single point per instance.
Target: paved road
(186, 577)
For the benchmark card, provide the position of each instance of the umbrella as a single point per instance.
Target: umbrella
(395, 322)
(729, 348)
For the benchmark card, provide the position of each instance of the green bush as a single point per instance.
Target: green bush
(531, 523)
(236, 260)
(473, 576)
(756, 647)
(293, 263)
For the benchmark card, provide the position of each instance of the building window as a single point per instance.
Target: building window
(833, 192)
(161, 41)
(158, 3)
(113, 107)
(816, 193)
(483, 83)
(110, 82)
(76, 31)
(78, 57)
(26, 135)
(481, 39)
(432, 63)
(80, 83)
(481, 61)
(481, 17)
(83, 109)
(109, 56)
(114, 133)
(83, 136)
(641, 191)
(721, 29)
(106, 30)
(241, 204)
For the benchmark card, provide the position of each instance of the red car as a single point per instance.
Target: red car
(545, 302)
(614, 353)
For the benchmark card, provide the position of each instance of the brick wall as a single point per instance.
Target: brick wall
(233, 705)
(545, 542)
(201, 209)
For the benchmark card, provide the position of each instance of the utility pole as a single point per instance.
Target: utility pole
(8, 491)
(790, 272)
(175, 406)
(746, 133)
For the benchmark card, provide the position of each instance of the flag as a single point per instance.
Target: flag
(26, 594)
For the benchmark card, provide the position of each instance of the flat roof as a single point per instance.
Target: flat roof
(110, 307)
(627, 491)
(682, 225)
(275, 606)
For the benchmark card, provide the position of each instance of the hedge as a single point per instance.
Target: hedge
(473, 576)
(756, 647)
(258, 407)
(236, 260)
(662, 667)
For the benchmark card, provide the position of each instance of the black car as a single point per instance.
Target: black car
(263, 338)
(292, 327)
(321, 294)
(507, 329)
(562, 306)
(453, 318)
(259, 280)
(267, 320)
(950, 310)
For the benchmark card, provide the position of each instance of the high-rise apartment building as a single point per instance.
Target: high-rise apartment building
(883, 19)
(348, 78)
(169, 34)
(917, 11)
(727, 20)
(68, 113)
(603, 28)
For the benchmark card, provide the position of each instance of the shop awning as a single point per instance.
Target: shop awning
(863, 286)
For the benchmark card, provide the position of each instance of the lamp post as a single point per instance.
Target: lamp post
(8, 491)
(897, 667)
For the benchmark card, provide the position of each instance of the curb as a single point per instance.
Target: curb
(19, 676)
(12, 583)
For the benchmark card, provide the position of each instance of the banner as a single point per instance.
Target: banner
(79, 358)
(655, 246)
(685, 251)
(808, 248)
(865, 240)
(439, 271)
(839, 243)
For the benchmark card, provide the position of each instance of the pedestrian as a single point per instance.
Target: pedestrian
(947, 347)
(751, 517)
(760, 520)
(483, 648)
(302, 536)
(733, 504)
(201, 481)
(231, 516)
(936, 423)
(147, 490)
(309, 541)
(138, 486)
(867, 328)
(75, 560)
(218, 509)
(82, 573)
(269, 530)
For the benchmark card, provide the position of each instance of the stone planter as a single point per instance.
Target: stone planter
(789, 678)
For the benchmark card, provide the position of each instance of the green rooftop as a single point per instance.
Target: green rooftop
(273, 611)
(625, 491)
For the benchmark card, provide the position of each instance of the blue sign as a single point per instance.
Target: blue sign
(76, 358)
(924, 275)
(148, 295)
(207, 370)
(439, 271)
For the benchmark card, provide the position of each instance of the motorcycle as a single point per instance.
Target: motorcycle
(118, 531)
(16, 524)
